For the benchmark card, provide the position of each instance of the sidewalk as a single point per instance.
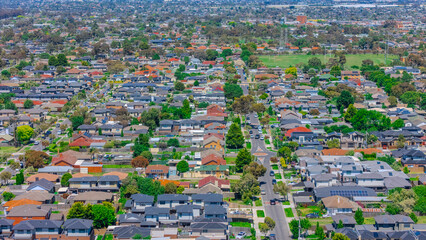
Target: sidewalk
(256, 219)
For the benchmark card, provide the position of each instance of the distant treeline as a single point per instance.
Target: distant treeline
(6, 13)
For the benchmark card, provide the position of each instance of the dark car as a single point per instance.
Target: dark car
(273, 202)
(257, 136)
(272, 236)
(272, 173)
(251, 131)
(312, 215)
(274, 181)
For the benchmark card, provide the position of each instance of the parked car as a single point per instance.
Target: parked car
(240, 235)
(274, 181)
(251, 136)
(272, 173)
(273, 202)
(262, 138)
(272, 236)
(257, 136)
(251, 131)
(263, 192)
(36, 143)
(312, 215)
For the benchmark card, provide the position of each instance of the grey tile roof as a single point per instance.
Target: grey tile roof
(32, 224)
(156, 211)
(75, 223)
(172, 197)
(187, 208)
(208, 197)
(130, 218)
(128, 232)
(345, 219)
(142, 198)
(370, 176)
(109, 178)
(214, 210)
(43, 183)
(84, 179)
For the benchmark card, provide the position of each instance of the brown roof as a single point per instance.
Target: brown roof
(49, 177)
(41, 196)
(14, 203)
(162, 168)
(337, 202)
(29, 210)
(120, 175)
(78, 175)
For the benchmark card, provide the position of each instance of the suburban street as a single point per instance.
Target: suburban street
(244, 83)
(276, 212)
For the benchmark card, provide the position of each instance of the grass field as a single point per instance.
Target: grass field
(260, 213)
(241, 224)
(117, 166)
(230, 160)
(9, 150)
(288, 212)
(351, 59)
(322, 221)
(258, 203)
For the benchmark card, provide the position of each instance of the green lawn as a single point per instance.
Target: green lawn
(260, 213)
(288, 212)
(275, 167)
(241, 224)
(286, 203)
(230, 160)
(117, 166)
(302, 211)
(9, 150)
(351, 59)
(267, 141)
(322, 221)
(422, 219)
(369, 220)
(248, 145)
(258, 202)
(278, 176)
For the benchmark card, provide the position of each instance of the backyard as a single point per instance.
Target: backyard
(351, 59)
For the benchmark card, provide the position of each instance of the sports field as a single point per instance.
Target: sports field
(351, 59)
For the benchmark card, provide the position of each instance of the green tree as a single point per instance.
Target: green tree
(334, 143)
(170, 188)
(65, 178)
(401, 141)
(340, 236)
(350, 112)
(340, 224)
(244, 158)
(234, 137)
(405, 170)
(284, 152)
(179, 86)
(270, 222)
(20, 178)
(7, 196)
(182, 166)
(255, 168)
(24, 133)
(103, 215)
(76, 121)
(392, 209)
(5, 176)
(319, 232)
(78, 210)
(6, 73)
(28, 104)
(291, 70)
(305, 224)
(414, 217)
(359, 217)
(211, 54)
(345, 99)
(335, 70)
(62, 60)
(173, 142)
(315, 63)
(392, 101)
(282, 189)
(226, 53)
(246, 187)
(186, 109)
(53, 61)
(232, 91)
(398, 124)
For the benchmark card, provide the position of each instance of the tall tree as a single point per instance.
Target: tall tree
(244, 158)
(234, 137)
(359, 217)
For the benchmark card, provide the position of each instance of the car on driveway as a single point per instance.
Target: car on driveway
(272, 173)
(240, 235)
(274, 181)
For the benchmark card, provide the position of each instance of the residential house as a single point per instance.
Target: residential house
(186, 213)
(215, 211)
(324, 180)
(39, 196)
(138, 202)
(209, 199)
(157, 171)
(215, 143)
(78, 229)
(28, 212)
(170, 201)
(156, 214)
(393, 222)
(209, 227)
(42, 185)
(338, 205)
(37, 229)
(347, 221)
(49, 177)
(371, 180)
(344, 191)
(93, 197)
(213, 159)
(224, 185)
(6, 228)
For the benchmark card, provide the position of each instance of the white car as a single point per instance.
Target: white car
(240, 235)
(262, 192)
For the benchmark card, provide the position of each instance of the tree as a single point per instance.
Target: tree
(180, 190)
(65, 178)
(334, 143)
(401, 141)
(211, 54)
(404, 199)
(246, 187)
(244, 104)
(315, 63)
(186, 109)
(232, 90)
(335, 70)
(359, 218)
(24, 133)
(53, 61)
(7, 196)
(283, 189)
(103, 215)
(5, 176)
(392, 101)
(79, 210)
(319, 232)
(226, 53)
(255, 168)
(28, 104)
(234, 137)
(284, 152)
(405, 170)
(292, 71)
(20, 178)
(414, 217)
(350, 112)
(345, 99)
(36, 159)
(62, 60)
(392, 209)
(243, 158)
(173, 142)
(270, 223)
(340, 236)
(147, 155)
(77, 121)
(182, 166)
(398, 124)
(264, 228)
(170, 188)
(305, 224)
(340, 224)
(179, 86)
(140, 162)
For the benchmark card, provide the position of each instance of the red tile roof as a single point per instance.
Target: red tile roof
(213, 180)
(298, 129)
(212, 158)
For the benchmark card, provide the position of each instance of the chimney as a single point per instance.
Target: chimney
(37, 179)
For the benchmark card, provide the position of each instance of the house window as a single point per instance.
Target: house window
(81, 231)
(407, 225)
(38, 229)
(162, 202)
(51, 229)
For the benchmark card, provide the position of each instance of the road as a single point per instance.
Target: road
(276, 212)
(244, 83)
